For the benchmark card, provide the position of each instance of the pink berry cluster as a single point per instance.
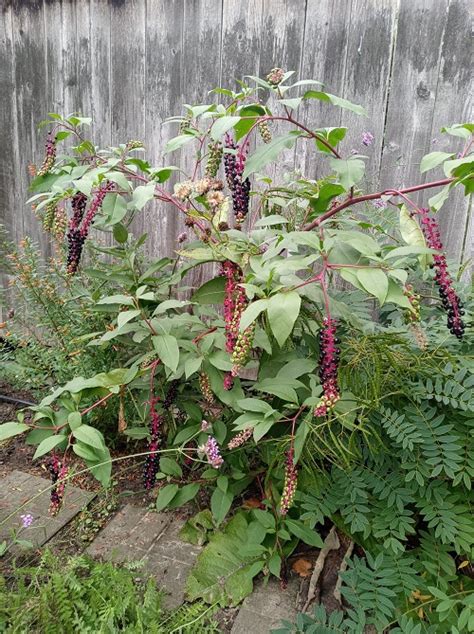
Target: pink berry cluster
(449, 297)
(81, 221)
(213, 454)
(152, 460)
(58, 472)
(290, 483)
(238, 344)
(235, 302)
(328, 364)
(50, 155)
(240, 438)
(240, 189)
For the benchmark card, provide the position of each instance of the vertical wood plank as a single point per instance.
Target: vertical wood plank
(324, 58)
(451, 106)
(367, 76)
(412, 92)
(31, 106)
(164, 66)
(101, 102)
(8, 172)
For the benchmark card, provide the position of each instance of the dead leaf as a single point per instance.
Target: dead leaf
(302, 567)
(252, 503)
(122, 423)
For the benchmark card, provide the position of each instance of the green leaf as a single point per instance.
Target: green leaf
(336, 101)
(170, 467)
(433, 159)
(350, 171)
(192, 365)
(274, 564)
(412, 234)
(251, 313)
(221, 573)
(221, 501)
(115, 208)
(267, 153)
(86, 452)
(400, 252)
(212, 292)
(283, 310)
(165, 495)
(49, 443)
(222, 125)
(438, 200)
(248, 115)
(178, 142)
(102, 469)
(120, 233)
(451, 168)
(124, 300)
(254, 405)
(332, 135)
(327, 192)
(143, 194)
(395, 295)
(184, 495)
(462, 130)
(292, 103)
(126, 316)
(374, 281)
(262, 427)
(167, 349)
(8, 430)
(90, 436)
(282, 389)
(303, 532)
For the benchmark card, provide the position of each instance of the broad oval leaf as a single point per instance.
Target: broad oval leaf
(374, 281)
(283, 310)
(267, 153)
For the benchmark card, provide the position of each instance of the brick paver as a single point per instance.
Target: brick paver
(22, 489)
(136, 534)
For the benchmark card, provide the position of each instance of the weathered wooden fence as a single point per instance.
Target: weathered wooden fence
(131, 63)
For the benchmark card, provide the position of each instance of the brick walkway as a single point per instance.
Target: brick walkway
(135, 534)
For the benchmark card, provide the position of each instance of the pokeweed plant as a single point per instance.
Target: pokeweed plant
(270, 379)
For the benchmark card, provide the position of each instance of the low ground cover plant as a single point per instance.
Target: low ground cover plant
(324, 367)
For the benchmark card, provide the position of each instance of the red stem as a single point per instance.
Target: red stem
(359, 199)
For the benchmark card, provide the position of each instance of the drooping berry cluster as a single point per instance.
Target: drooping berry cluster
(152, 459)
(206, 390)
(412, 317)
(328, 365)
(234, 163)
(290, 483)
(242, 349)
(81, 221)
(58, 472)
(449, 297)
(50, 155)
(214, 159)
(235, 302)
(240, 438)
(213, 454)
(264, 130)
(171, 394)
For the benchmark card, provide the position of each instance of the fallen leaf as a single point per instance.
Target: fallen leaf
(302, 567)
(252, 503)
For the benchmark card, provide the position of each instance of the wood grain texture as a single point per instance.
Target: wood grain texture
(130, 64)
